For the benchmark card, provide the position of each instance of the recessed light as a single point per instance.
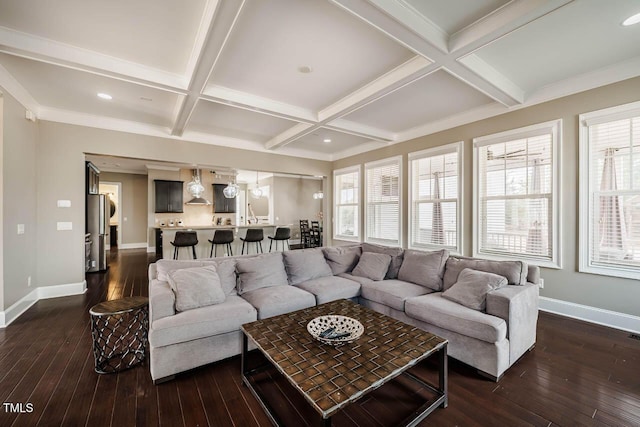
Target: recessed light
(631, 20)
(327, 140)
(305, 69)
(105, 96)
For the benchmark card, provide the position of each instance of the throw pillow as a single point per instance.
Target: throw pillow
(305, 265)
(472, 287)
(196, 287)
(515, 271)
(394, 253)
(166, 266)
(372, 265)
(262, 271)
(424, 268)
(342, 259)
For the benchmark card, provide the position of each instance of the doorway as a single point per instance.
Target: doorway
(114, 191)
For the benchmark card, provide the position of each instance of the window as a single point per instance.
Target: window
(382, 194)
(516, 193)
(610, 191)
(435, 189)
(347, 203)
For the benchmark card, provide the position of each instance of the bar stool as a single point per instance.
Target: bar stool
(282, 234)
(185, 239)
(221, 237)
(253, 235)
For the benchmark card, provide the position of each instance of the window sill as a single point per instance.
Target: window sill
(519, 257)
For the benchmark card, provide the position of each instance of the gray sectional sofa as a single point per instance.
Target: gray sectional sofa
(488, 310)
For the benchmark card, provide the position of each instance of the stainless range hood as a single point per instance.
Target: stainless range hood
(195, 188)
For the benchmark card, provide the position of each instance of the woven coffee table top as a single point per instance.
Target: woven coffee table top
(118, 306)
(332, 377)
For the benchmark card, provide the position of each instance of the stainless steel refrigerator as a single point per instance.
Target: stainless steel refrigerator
(98, 226)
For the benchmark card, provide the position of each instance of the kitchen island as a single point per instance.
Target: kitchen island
(205, 233)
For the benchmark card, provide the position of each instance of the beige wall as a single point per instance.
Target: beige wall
(293, 201)
(621, 295)
(60, 154)
(134, 206)
(19, 202)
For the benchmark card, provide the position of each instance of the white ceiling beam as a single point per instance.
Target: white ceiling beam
(10, 84)
(400, 76)
(478, 73)
(218, 33)
(501, 22)
(248, 101)
(45, 50)
(358, 129)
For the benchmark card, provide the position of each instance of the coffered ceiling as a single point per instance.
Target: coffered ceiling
(287, 76)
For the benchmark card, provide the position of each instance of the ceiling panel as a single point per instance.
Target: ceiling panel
(235, 122)
(273, 39)
(72, 90)
(157, 33)
(434, 97)
(580, 37)
(339, 141)
(454, 15)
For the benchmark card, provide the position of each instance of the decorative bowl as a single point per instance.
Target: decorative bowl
(335, 330)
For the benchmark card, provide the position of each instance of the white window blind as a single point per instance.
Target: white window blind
(435, 196)
(347, 203)
(516, 212)
(611, 194)
(382, 210)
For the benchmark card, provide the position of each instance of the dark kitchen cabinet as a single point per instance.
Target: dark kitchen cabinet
(168, 196)
(222, 204)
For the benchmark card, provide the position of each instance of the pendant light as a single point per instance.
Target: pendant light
(257, 192)
(231, 190)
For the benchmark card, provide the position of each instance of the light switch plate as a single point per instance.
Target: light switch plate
(63, 226)
(20, 228)
(64, 203)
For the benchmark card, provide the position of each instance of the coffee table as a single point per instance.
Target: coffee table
(330, 378)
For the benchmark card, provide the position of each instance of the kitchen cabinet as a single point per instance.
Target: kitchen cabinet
(168, 196)
(222, 204)
(92, 179)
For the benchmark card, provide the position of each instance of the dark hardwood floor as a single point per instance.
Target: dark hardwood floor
(578, 374)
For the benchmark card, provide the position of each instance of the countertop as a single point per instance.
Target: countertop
(221, 227)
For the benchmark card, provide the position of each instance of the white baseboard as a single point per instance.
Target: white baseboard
(151, 249)
(42, 292)
(612, 319)
(133, 245)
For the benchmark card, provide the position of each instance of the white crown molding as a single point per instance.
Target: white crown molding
(11, 85)
(43, 292)
(64, 55)
(358, 149)
(162, 168)
(599, 316)
(359, 129)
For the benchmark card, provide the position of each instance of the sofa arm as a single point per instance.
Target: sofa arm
(162, 300)
(518, 306)
(153, 272)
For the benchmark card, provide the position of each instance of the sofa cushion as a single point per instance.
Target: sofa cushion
(276, 300)
(445, 314)
(331, 288)
(226, 270)
(166, 266)
(262, 271)
(472, 287)
(304, 265)
(196, 287)
(394, 253)
(372, 265)
(424, 268)
(514, 271)
(342, 259)
(202, 322)
(392, 293)
(361, 280)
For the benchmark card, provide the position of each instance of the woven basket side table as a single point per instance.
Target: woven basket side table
(119, 329)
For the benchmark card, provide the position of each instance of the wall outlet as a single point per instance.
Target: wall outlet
(29, 281)
(20, 228)
(541, 284)
(64, 226)
(93, 263)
